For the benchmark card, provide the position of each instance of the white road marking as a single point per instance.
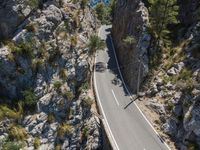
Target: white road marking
(130, 93)
(115, 146)
(115, 97)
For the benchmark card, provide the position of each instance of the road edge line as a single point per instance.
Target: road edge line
(131, 96)
(104, 120)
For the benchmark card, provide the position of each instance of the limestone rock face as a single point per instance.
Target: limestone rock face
(48, 54)
(130, 20)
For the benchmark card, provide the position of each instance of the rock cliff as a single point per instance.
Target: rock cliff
(171, 96)
(131, 40)
(44, 62)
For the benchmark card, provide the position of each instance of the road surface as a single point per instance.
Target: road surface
(127, 127)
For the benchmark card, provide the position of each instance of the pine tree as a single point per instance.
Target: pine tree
(163, 13)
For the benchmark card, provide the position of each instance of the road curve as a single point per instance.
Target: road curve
(126, 126)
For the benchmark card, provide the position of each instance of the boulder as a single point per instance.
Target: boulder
(159, 108)
(170, 127)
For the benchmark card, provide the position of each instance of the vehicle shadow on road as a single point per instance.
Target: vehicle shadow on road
(112, 65)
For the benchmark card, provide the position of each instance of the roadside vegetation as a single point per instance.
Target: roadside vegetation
(105, 12)
(163, 14)
(94, 44)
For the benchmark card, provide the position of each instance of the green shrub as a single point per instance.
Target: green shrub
(51, 118)
(64, 130)
(87, 102)
(104, 13)
(30, 99)
(129, 40)
(85, 132)
(85, 86)
(83, 4)
(57, 85)
(33, 3)
(69, 95)
(24, 48)
(37, 143)
(94, 44)
(10, 145)
(6, 112)
(37, 63)
(74, 40)
(63, 73)
(58, 147)
(18, 133)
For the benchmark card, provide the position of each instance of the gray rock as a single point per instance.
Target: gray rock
(172, 71)
(159, 82)
(178, 110)
(176, 69)
(170, 127)
(159, 108)
(65, 145)
(152, 92)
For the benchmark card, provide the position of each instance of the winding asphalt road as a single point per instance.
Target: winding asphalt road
(126, 126)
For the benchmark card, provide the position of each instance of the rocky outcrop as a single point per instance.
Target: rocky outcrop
(174, 94)
(12, 13)
(131, 40)
(48, 56)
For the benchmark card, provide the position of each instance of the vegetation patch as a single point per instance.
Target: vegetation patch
(37, 143)
(6, 112)
(87, 102)
(30, 100)
(94, 44)
(69, 95)
(17, 133)
(10, 145)
(51, 118)
(57, 85)
(64, 130)
(129, 40)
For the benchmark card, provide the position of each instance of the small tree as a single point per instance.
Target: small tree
(103, 13)
(163, 13)
(95, 43)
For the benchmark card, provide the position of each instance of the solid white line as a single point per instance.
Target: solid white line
(110, 132)
(115, 97)
(130, 93)
(115, 146)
